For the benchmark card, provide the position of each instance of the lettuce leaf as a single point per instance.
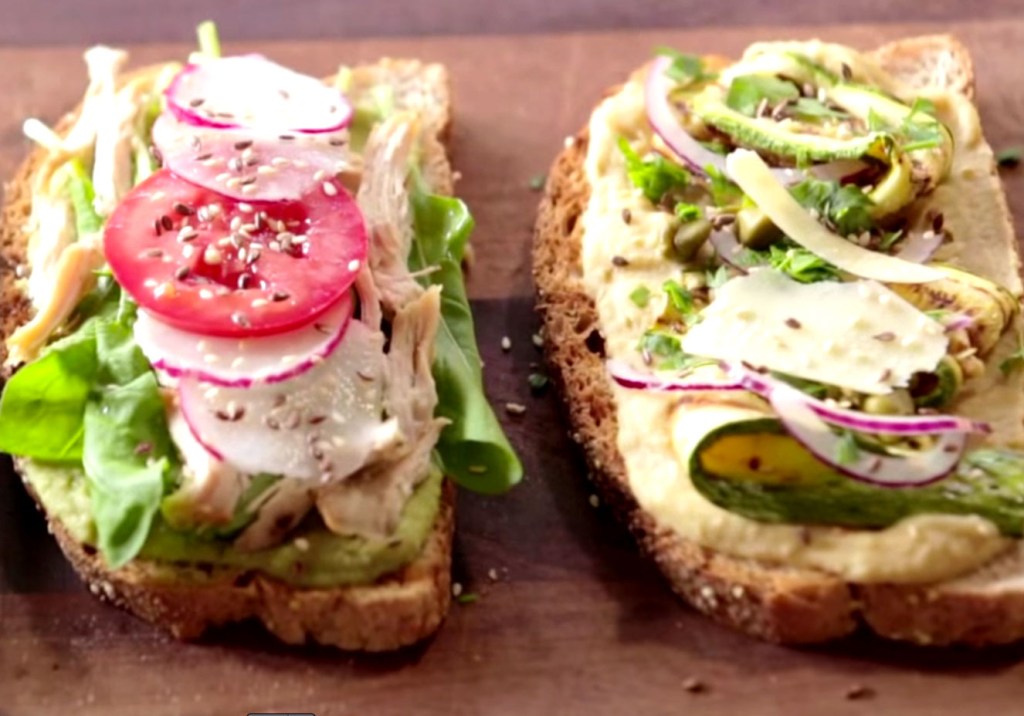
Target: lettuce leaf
(473, 448)
(92, 399)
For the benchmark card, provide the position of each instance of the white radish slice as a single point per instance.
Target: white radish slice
(241, 363)
(251, 165)
(322, 425)
(253, 92)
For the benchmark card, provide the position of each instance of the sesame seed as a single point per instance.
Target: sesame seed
(244, 144)
(301, 544)
(456, 589)
(248, 188)
(157, 227)
(506, 343)
(182, 273)
(515, 408)
(204, 157)
(259, 302)
(240, 319)
(286, 137)
(277, 296)
(245, 208)
(330, 189)
(279, 162)
(233, 183)
(694, 685)
(538, 340)
(265, 170)
(627, 216)
(188, 250)
(353, 265)
(620, 261)
(187, 233)
(594, 501)
(205, 294)
(320, 175)
(858, 691)
(248, 181)
(152, 253)
(885, 336)
(222, 177)
(847, 73)
(793, 323)
(196, 102)
(212, 255)
(167, 223)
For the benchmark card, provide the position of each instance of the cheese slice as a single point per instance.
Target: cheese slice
(755, 178)
(857, 335)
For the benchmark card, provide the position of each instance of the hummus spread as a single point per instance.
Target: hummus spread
(657, 433)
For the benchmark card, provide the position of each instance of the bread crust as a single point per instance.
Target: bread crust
(397, 610)
(772, 602)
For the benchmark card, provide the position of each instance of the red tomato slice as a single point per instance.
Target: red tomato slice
(217, 266)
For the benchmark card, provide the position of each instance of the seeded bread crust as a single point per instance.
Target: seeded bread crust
(772, 602)
(398, 609)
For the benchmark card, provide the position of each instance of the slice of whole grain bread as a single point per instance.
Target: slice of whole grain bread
(396, 610)
(773, 602)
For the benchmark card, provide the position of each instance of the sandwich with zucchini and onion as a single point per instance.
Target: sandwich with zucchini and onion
(781, 296)
(241, 368)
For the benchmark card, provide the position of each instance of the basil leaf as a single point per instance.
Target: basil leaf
(685, 69)
(473, 448)
(126, 482)
(748, 91)
(43, 404)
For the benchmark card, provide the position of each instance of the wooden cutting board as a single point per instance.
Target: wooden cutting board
(575, 622)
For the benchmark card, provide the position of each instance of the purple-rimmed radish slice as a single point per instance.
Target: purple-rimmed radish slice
(250, 165)
(251, 91)
(242, 362)
(909, 469)
(321, 425)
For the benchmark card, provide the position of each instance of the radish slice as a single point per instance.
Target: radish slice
(253, 92)
(241, 363)
(249, 165)
(764, 385)
(912, 469)
(321, 425)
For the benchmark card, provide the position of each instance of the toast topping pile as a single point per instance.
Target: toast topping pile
(818, 280)
(251, 325)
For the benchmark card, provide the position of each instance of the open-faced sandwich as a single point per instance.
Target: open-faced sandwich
(782, 298)
(241, 363)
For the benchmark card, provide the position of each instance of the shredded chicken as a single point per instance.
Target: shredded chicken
(370, 503)
(369, 299)
(112, 162)
(54, 232)
(286, 503)
(210, 488)
(73, 278)
(384, 200)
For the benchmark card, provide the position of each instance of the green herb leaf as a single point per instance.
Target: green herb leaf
(655, 176)
(748, 91)
(467, 598)
(889, 239)
(846, 207)
(665, 350)
(685, 69)
(847, 450)
(1010, 156)
(538, 382)
(688, 212)
(801, 265)
(679, 298)
(475, 437)
(810, 109)
(1013, 362)
(723, 191)
(718, 277)
(640, 296)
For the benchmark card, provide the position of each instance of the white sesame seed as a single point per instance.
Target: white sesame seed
(330, 189)
(569, 141)
(223, 177)
(245, 208)
(237, 362)
(515, 408)
(188, 251)
(301, 544)
(233, 183)
(279, 162)
(506, 343)
(594, 500)
(265, 170)
(211, 358)
(538, 340)
(149, 283)
(259, 302)
(353, 265)
(212, 255)
(320, 175)
(456, 589)
(492, 574)
(249, 189)
(187, 233)
(205, 293)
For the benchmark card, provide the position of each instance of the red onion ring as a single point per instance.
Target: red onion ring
(919, 246)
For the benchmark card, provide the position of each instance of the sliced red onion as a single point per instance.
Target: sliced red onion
(919, 246)
(957, 321)
(251, 165)
(764, 385)
(253, 92)
(695, 155)
(242, 363)
(913, 469)
(627, 377)
(728, 248)
(321, 425)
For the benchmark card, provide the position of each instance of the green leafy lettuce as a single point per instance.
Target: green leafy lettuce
(92, 400)
(473, 448)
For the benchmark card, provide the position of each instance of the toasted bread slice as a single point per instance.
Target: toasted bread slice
(396, 610)
(781, 604)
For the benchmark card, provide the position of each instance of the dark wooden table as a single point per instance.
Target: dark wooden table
(576, 623)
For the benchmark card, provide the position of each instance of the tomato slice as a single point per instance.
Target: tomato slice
(213, 265)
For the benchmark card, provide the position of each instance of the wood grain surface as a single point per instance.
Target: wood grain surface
(575, 622)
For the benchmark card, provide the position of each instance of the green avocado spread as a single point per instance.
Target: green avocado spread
(323, 560)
